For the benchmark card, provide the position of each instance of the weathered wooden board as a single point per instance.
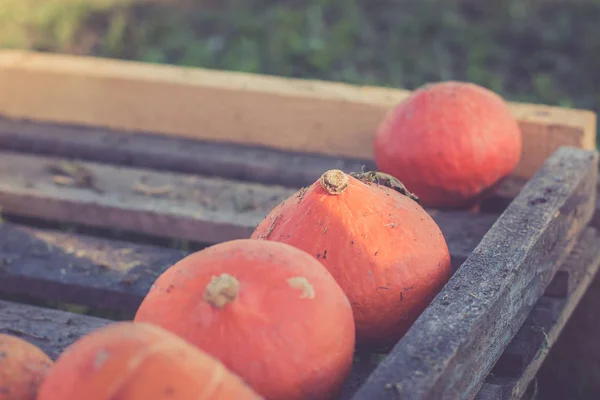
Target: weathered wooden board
(523, 357)
(225, 160)
(454, 344)
(506, 190)
(50, 330)
(192, 207)
(287, 114)
(86, 270)
(53, 330)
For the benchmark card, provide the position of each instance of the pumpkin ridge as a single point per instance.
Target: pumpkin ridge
(215, 379)
(135, 362)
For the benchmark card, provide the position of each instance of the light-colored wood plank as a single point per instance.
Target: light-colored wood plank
(191, 207)
(291, 114)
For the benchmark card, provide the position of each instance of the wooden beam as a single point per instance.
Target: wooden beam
(54, 266)
(524, 356)
(288, 114)
(453, 345)
(164, 204)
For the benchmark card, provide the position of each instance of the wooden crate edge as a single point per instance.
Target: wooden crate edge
(314, 116)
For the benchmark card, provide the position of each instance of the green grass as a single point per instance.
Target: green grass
(539, 51)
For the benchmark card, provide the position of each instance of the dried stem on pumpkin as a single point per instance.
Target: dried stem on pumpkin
(386, 180)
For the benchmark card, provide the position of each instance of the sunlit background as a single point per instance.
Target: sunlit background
(545, 51)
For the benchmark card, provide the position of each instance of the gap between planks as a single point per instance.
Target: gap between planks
(288, 114)
(54, 330)
(207, 210)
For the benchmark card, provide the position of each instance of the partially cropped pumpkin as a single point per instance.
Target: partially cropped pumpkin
(384, 250)
(128, 361)
(270, 312)
(23, 367)
(449, 143)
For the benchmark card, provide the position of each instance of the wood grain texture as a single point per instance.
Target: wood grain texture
(190, 207)
(111, 274)
(50, 330)
(207, 210)
(287, 114)
(453, 345)
(524, 356)
(225, 160)
(57, 266)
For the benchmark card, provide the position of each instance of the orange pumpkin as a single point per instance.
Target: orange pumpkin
(23, 367)
(384, 250)
(449, 143)
(128, 361)
(270, 312)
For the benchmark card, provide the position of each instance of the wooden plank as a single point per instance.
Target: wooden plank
(50, 330)
(73, 268)
(225, 160)
(57, 266)
(191, 207)
(289, 114)
(506, 190)
(453, 345)
(524, 356)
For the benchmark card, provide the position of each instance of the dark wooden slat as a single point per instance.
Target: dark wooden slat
(90, 271)
(51, 330)
(192, 207)
(524, 356)
(454, 344)
(57, 266)
(506, 190)
(226, 160)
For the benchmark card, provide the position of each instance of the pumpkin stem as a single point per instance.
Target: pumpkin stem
(385, 180)
(334, 181)
(221, 290)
